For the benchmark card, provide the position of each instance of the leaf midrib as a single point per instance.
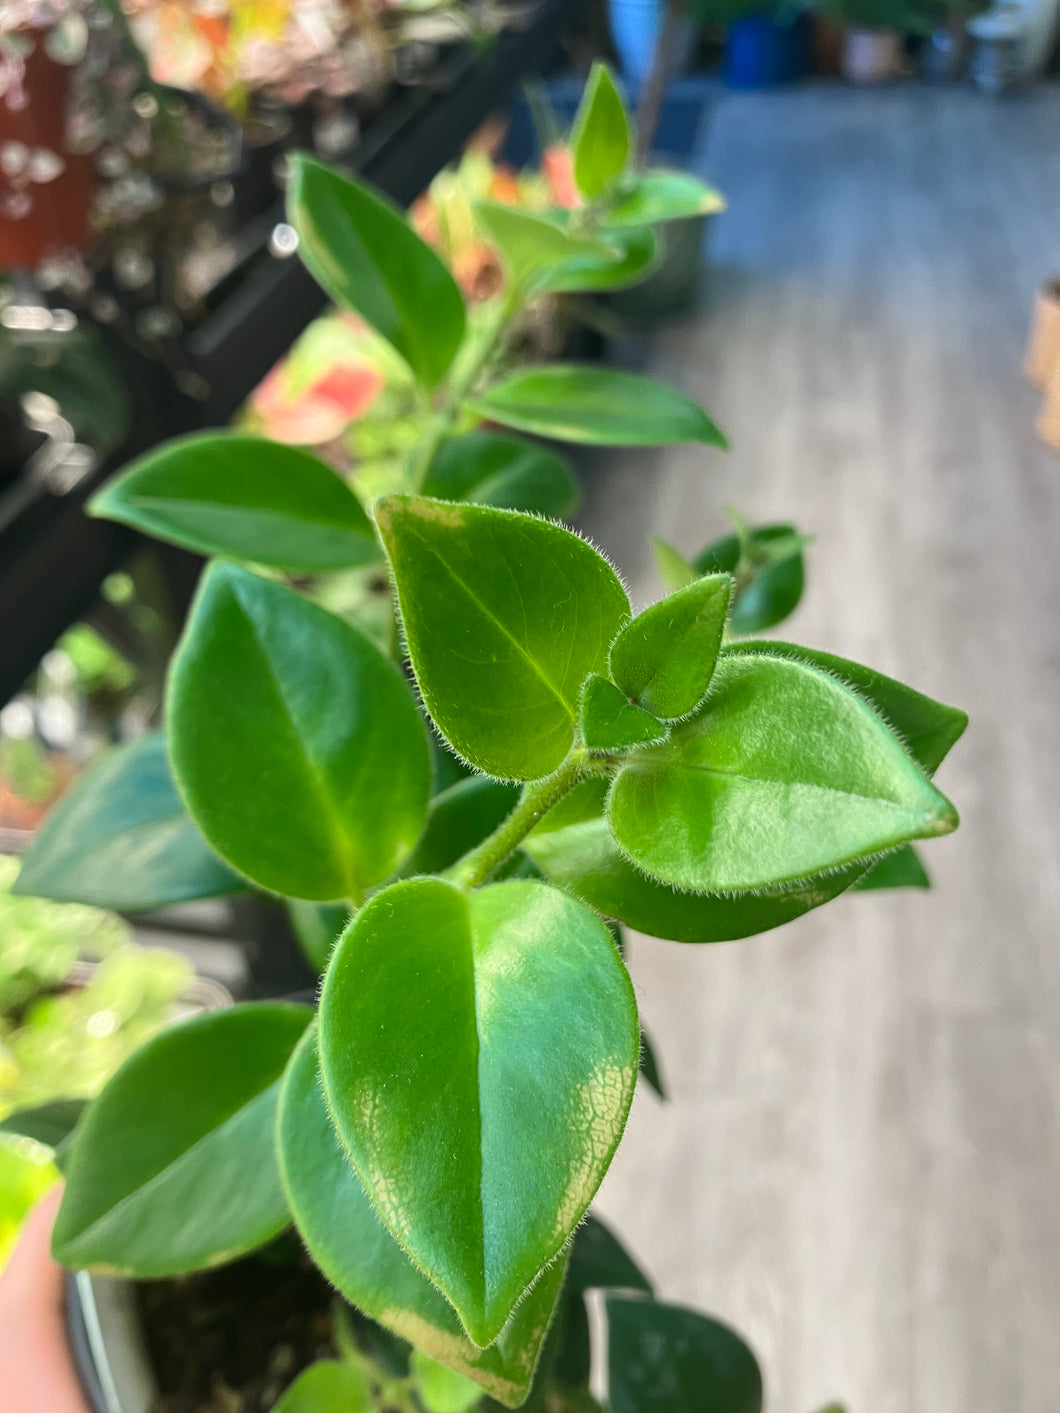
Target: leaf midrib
(640, 767)
(219, 507)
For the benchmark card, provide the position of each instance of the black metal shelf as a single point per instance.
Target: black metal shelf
(53, 557)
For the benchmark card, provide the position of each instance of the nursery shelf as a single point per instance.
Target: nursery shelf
(52, 557)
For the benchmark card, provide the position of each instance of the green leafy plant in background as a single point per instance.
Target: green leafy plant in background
(437, 1129)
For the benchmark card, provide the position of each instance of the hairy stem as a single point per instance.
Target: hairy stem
(537, 799)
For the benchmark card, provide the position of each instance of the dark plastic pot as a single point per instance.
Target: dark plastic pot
(760, 53)
(107, 1345)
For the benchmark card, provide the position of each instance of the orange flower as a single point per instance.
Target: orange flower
(557, 165)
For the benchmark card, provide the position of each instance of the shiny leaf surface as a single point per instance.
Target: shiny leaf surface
(459, 1035)
(505, 616)
(785, 773)
(928, 728)
(600, 137)
(665, 658)
(122, 839)
(609, 722)
(363, 253)
(665, 1359)
(492, 468)
(328, 1387)
(600, 406)
(574, 848)
(358, 1255)
(902, 869)
(243, 497)
(660, 195)
(173, 1167)
(295, 742)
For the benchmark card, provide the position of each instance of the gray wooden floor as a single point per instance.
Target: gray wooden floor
(861, 1163)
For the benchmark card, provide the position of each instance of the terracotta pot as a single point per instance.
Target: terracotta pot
(45, 191)
(871, 56)
(1043, 346)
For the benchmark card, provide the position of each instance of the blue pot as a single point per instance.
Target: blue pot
(759, 53)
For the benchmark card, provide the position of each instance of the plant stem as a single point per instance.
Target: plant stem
(651, 98)
(537, 799)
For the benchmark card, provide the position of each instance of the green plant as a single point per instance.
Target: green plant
(437, 1131)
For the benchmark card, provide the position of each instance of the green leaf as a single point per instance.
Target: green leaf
(173, 1167)
(296, 743)
(50, 1124)
(664, 1359)
(362, 251)
(600, 406)
(928, 728)
(460, 818)
(359, 1256)
(600, 136)
(772, 574)
(530, 245)
(649, 1066)
(316, 926)
(665, 658)
(574, 848)
(440, 1389)
(610, 723)
(328, 1387)
(785, 773)
(121, 839)
(599, 1261)
(492, 468)
(902, 869)
(243, 497)
(505, 616)
(632, 255)
(437, 1012)
(674, 570)
(659, 195)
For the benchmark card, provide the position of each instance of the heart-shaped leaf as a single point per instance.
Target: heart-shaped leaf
(664, 1359)
(122, 839)
(530, 244)
(928, 728)
(328, 1386)
(479, 1054)
(573, 846)
(601, 406)
(609, 722)
(173, 1167)
(359, 1256)
(492, 468)
(296, 743)
(505, 616)
(665, 658)
(600, 136)
(902, 869)
(243, 497)
(661, 195)
(362, 251)
(785, 773)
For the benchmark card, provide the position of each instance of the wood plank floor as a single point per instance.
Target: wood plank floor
(860, 1166)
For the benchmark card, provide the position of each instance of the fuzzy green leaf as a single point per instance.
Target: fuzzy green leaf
(243, 497)
(492, 468)
(173, 1167)
(928, 728)
(530, 244)
(358, 1255)
(574, 848)
(600, 136)
(665, 1359)
(295, 742)
(902, 869)
(660, 195)
(122, 839)
(609, 722)
(665, 658)
(362, 251)
(458, 1035)
(328, 1387)
(441, 1389)
(505, 616)
(600, 406)
(785, 773)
